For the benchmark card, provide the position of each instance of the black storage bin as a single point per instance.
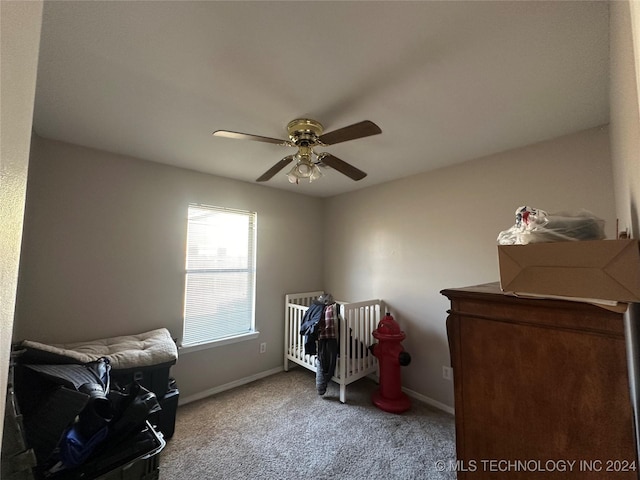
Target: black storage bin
(142, 469)
(153, 377)
(49, 408)
(156, 379)
(165, 419)
(136, 459)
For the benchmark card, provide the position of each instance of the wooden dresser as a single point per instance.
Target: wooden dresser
(538, 384)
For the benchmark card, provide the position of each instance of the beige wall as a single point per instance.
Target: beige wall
(20, 40)
(104, 254)
(625, 120)
(406, 240)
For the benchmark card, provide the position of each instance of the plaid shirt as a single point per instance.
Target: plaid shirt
(327, 325)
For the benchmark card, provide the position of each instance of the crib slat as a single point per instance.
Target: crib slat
(341, 370)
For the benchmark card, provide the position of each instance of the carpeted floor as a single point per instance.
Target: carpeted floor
(280, 428)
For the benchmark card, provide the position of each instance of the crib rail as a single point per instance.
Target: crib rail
(356, 335)
(357, 323)
(303, 299)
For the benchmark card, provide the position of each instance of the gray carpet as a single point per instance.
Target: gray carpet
(280, 428)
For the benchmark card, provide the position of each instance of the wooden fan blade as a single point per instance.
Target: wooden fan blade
(362, 129)
(343, 167)
(275, 169)
(247, 136)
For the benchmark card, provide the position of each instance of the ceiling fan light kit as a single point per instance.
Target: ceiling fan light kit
(305, 134)
(304, 170)
(306, 166)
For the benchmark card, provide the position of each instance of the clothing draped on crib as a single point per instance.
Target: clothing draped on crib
(320, 327)
(327, 348)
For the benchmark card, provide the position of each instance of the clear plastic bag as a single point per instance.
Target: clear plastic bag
(536, 226)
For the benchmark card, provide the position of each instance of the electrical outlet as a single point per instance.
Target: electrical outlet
(447, 372)
(263, 347)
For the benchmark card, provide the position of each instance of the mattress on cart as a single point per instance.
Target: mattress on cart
(124, 352)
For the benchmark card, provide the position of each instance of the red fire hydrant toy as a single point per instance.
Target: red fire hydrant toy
(391, 356)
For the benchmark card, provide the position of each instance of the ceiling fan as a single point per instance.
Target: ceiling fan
(305, 134)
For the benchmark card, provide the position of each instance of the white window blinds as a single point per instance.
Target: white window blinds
(220, 274)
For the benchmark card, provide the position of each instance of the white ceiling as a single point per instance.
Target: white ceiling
(445, 81)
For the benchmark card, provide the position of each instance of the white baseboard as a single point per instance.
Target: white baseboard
(429, 401)
(229, 386)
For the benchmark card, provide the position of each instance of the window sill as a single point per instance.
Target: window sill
(218, 343)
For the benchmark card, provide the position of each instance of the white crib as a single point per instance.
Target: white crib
(357, 323)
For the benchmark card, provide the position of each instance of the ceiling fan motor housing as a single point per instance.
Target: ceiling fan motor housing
(304, 131)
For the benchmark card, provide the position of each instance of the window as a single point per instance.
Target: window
(220, 274)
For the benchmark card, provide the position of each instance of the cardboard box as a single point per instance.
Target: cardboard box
(597, 269)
